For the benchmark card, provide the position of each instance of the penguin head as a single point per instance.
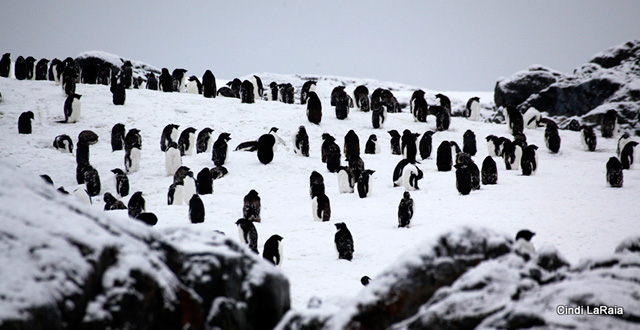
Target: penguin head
(490, 137)
(241, 221)
(373, 137)
(117, 171)
(190, 130)
(525, 234)
(393, 133)
(406, 195)
(253, 193)
(29, 114)
(108, 198)
(340, 226)
(225, 136)
(327, 137)
(173, 144)
(365, 280)
(277, 237)
(273, 130)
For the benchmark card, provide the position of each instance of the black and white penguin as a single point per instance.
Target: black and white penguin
(588, 138)
(127, 75)
(398, 171)
(472, 110)
(273, 250)
(463, 179)
(251, 208)
(225, 91)
(30, 63)
(512, 155)
(133, 139)
(529, 161)
(132, 150)
(343, 241)
(411, 175)
(356, 166)
(372, 147)
(218, 172)
(552, 137)
(614, 173)
(361, 97)
(92, 181)
(626, 155)
(419, 107)
(5, 65)
(314, 108)
(187, 141)
(425, 146)
(493, 145)
(205, 182)
(321, 206)
(301, 142)
(389, 101)
(55, 70)
(20, 68)
(465, 159)
(408, 145)
(341, 104)
(378, 109)
(248, 234)
(166, 82)
(622, 140)
(194, 86)
(405, 210)
(351, 145)
(364, 183)
(117, 137)
(119, 93)
(122, 182)
(69, 77)
(178, 79)
(169, 134)
(41, 69)
(196, 209)
(189, 186)
(609, 125)
(85, 139)
(273, 93)
(112, 203)
(24, 122)
(523, 245)
(258, 88)
(246, 92)
(285, 93)
(515, 121)
(308, 86)
(152, 82)
(531, 118)
(81, 168)
(333, 158)
(489, 171)
(266, 148)
(220, 149)
(72, 108)
(204, 142)
(469, 143)
(443, 117)
(175, 194)
(444, 157)
(148, 218)
(327, 140)
(334, 94)
(172, 159)
(209, 88)
(316, 184)
(395, 142)
(346, 180)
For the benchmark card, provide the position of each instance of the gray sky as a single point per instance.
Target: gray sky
(444, 45)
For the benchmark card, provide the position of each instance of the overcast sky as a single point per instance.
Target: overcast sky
(445, 45)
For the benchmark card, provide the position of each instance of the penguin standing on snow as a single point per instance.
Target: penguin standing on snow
(411, 175)
(551, 137)
(301, 142)
(258, 88)
(361, 96)
(172, 159)
(529, 161)
(41, 69)
(515, 122)
(132, 151)
(327, 140)
(220, 149)
(614, 173)
(273, 93)
(196, 209)
(419, 106)
(316, 184)
(489, 171)
(20, 68)
(469, 143)
(246, 92)
(136, 204)
(405, 210)
(5, 65)
(626, 155)
(378, 109)
(169, 134)
(463, 179)
(166, 82)
(24, 122)
(112, 203)
(209, 88)
(351, 145)
(609, 125)
(465, 159)
(523, 245)
(343, 241)
(175, 193)
(194, 86)
(321, 206)
(364, 188)
(205, 182)
(83, 196)
(186, 141)
(117, 137)
(622, 141)
(92, 181)
(588, 138)
(189, 186)
(119, 93)
(308, 86)
(333, 158)
(342, 105)
(86, 138)
(266, 148)
(408, 145)
(395, 142)
(531, 118)
(512, 155)
(273, 250)
(346, 180)
(314, 108)
(72, 108)
(472, 111)
(372, 146)
(251, 208)
(444, 158)
(248, 234)
(426, 143)
(204, 142)
(63, 143)
(122, 182)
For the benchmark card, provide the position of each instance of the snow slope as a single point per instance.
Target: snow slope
(567, 203)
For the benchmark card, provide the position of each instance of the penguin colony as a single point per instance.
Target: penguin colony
(413, 148)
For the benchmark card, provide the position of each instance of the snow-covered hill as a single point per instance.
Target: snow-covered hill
(567, 203)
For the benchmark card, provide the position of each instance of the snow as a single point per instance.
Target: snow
(567, 203)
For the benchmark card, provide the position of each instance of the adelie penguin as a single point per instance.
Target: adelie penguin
(187, 141)
(552, 137)
(205, 182)
(346, 180)
(148, 218)
(204, 142)
(196, 209)
(327, 140)
(209, 89)
(626, 155)
(469, 143)
(333, 158)
(273, 250)
(122, 182)
(92, 181)
(117, 137)
(251, 208)
(512, 155)
(152, 82)
(112, 203)
(614, 173)
(489, 171)
(529, 161)
(426, 143)
(343, 241)
(86, 138)
(119, 93)
(531, 118)
(342, 105)
(472, 110)
(72, 107)
(308, 86)
(5, 65)
(218, 172)
(314, 108)
(166, 81)
(622, 141)
(372, 147)
(273, 93)
(523, 246)
(463, 179)
(444, 158)
(24, 122)
(321, 206)
(194, 86)
(132, 150)
(169, 134)
(41, 69)
(515, 122)
(63, 143)
(246, 92)
(189, 184)
(465, 160)
(220, 149)
(408, 145)
(405, 210)
(395, 142)
(20, 68)
(364, 183)
(301, 142)
(175, 194)
(361, 97)
(588, 138)
(419, 107)
(248, 234)
(411, 175)
(83, 195)
(351, 145)
(378, 109)
(258, 88)
(173, 160)
(266, 148)
(609, 125)
(316, 184)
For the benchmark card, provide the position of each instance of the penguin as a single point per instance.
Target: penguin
(218, 172)
(30, 63)
(469, 143)
(609, 126)
(316, 184)
(175, 194)
(122, 182)
(531, 118)
(132, 159)
(119, 93)
(55, 70)
(419, 106)
(81, 168)
(321, 207)
(334, 94)
(626, 156)
(194, 86)
(172, 159)
(346, 180)
(463, 179)
(72, 108)
(41, 69)
(225, 91)
(425, 145)
(443, 117)
(189, 187)
(389, 101)
(405, 210)
(395, 142)
(69, 77)
(266, 148)
(273, 250)
(356, 166)
(258, 88)
(327, 140)
(127, 74)
(166, 81)
(251, 208)
(314, 109)
(361, 97)
(614, 173)
(552, 137)
(301, 142)
(529, 161)
(272, 95)
(246, 92)
(117, 137)
(351, 145)
(474, 171)
(443, 101)
(286, 92)
(148, 218)
(248, 234)
(512, 155)
(24, 122)
(220, 149)
(588, 138)
(341, 104)
(178, 79)
(62, 190)
(364, 186)
(133, 139)
(196, 209)
(333, 158)
(515, 121)
(444, 157)
(398, 172)
(92, 181)
(169, 134)
(473, 109)
(205, 182)
(489, 171)
(523, 245)
(152, 82)
(83, 196)
(20, 68)
(343, 241)
(5, 65)
(365, 280)
(112, 203)
(204, 142)
(47, 179)
(492, 145)
(85, 139)
(411, 174)
(408, 145)
(308, 86)
(235, 85)
(378, 109)
(372, 147)
(622, 141)
(186, 141)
